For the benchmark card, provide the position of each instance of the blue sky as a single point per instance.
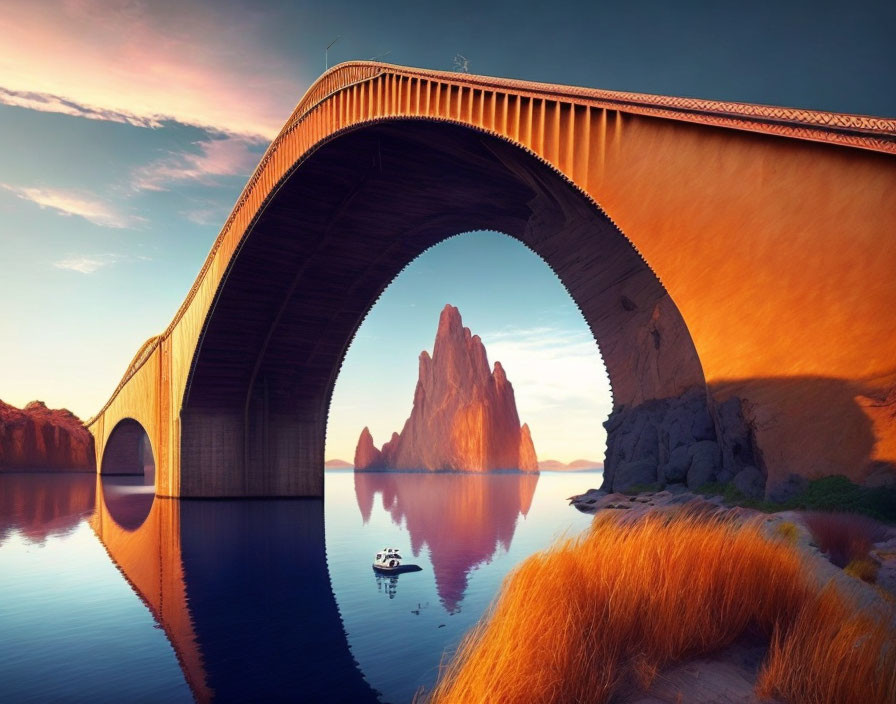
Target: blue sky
(128, 128)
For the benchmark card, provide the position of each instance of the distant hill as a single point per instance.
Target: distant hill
(338, 464)
(574, 466)
(585, 464)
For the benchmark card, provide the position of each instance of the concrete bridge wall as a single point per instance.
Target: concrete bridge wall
(770, 230)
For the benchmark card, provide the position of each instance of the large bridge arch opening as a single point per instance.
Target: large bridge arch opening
(509, 297)
(336, 232)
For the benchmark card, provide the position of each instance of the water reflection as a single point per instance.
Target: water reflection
(129, 499)
(462, 517)
(387, 584)
(242, 591)
(38, 508)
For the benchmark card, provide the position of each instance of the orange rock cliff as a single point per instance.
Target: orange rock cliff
(39, 438)
(464, 415)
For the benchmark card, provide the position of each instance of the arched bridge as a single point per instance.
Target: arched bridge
(726, 250)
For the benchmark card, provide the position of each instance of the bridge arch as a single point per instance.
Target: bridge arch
(720, 198)
(128, 450)
(337, 232)
(127, 471)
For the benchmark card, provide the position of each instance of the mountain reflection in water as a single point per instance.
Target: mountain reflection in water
(462, 517)
(39, 506)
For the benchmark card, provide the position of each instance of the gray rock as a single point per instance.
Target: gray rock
(724, 475)
(702, 427)
(705, 461)
(629, 474)
(646, 447)
(788, 488)
(676, 470)
(735, 436)
(678, 435)
(750, 482)
(882, 474)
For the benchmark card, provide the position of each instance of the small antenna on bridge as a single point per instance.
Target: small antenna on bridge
(327, 52)
(461, 63)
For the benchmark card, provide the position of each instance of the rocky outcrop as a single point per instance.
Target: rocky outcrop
(366, 454)
(37, 438)
(527, 460)
(681, 441)
(464, 415)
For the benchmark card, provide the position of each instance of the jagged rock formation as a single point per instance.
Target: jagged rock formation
(366, 454)
(39, 438)
(682, 440)
(464, 415)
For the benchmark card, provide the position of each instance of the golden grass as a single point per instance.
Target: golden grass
(618, 604)
(832, 654)
(863, 568)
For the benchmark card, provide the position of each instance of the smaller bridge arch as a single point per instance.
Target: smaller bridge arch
(128, 450)
(127, 475)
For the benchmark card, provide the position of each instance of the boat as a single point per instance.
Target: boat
(388, 561)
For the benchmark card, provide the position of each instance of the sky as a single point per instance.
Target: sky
(128, 128)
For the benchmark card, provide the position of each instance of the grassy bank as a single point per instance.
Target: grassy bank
(613, 608)
(833, 493)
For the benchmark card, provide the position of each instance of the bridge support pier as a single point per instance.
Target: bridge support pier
(274, 455)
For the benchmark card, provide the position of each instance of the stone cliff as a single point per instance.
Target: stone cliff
(39, 438)
(686, 440)
(464, 415)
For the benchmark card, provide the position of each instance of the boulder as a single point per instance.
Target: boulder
(629, 474)
(702, 427)
(750, 482)
(705, 461)
(676, 470)
(786, 489)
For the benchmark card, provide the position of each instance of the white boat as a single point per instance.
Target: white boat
(388, 561)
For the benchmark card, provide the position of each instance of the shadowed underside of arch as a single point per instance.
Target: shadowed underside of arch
(339, 230)
(721, 201)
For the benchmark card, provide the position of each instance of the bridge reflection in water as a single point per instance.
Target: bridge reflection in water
(463, 518)
(241, 589)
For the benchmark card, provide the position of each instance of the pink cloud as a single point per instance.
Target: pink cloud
(216, 157)
(91, 263)
(134, 62)
(67, 202)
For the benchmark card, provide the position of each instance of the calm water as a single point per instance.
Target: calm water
(107, 594)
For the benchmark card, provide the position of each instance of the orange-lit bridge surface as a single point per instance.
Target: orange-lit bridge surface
(746, 250)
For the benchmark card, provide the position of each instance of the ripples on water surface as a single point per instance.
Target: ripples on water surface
(107, 594)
